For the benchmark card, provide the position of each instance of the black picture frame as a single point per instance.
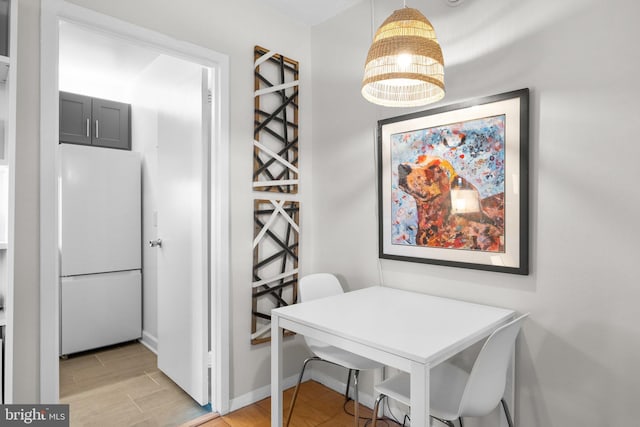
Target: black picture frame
(453, 185)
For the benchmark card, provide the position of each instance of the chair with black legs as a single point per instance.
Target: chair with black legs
(322, 285)
(454, 392)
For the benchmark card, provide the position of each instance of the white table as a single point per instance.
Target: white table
(406, 330)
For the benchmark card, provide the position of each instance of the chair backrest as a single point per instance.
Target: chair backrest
(318, 285)
(488, 376)
(314, 286)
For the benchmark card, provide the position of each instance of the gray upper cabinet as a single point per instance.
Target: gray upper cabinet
(111, 124)
(93, 121)
(75, 118)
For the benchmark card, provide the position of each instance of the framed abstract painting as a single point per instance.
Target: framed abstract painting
(453, 185)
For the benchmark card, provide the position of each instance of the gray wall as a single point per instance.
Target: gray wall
(577, 357)
(27, 244)
(232, 28)
(578, 353)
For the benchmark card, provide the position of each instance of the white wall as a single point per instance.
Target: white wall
(232, 28)
(578, 353)
(577, 356)
(99, 65)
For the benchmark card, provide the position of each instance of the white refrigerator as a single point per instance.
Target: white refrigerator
(100, 247)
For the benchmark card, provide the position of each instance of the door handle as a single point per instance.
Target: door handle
(155, 243)
(88, 127)
(97, 130)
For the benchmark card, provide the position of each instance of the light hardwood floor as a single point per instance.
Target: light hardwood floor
(317, 406)
(122, 386)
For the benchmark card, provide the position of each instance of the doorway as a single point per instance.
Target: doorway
(209, 340)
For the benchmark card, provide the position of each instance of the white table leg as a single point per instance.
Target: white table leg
(276, 372)
(419, 395)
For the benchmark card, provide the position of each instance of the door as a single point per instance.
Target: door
(183, 229)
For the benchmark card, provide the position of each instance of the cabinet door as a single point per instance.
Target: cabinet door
(111, 124)
(75, 118)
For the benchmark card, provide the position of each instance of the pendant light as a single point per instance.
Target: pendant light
(404, 66)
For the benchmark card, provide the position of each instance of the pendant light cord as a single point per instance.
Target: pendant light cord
(375, 149)
(373, 14)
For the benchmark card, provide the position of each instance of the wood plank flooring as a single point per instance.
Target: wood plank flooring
(122, 386)
(317, 406)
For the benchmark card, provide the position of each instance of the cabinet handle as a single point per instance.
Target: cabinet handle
(97, 130)
(88, 126)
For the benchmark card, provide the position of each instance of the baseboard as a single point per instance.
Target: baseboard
(149, 341)
(201, 420)
(262, 393)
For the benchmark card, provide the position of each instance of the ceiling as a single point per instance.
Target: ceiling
(92, 61)
(314, 12)
(311, 12)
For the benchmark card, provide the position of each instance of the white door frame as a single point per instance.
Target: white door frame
(52, 12)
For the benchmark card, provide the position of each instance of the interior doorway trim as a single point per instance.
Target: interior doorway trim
(54, 11)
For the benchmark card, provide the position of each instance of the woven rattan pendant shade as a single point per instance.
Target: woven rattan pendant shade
(404, 66)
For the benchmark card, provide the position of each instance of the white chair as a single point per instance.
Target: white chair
(322, 285)
(456, 393)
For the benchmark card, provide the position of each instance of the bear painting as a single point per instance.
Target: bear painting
(448, 186)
